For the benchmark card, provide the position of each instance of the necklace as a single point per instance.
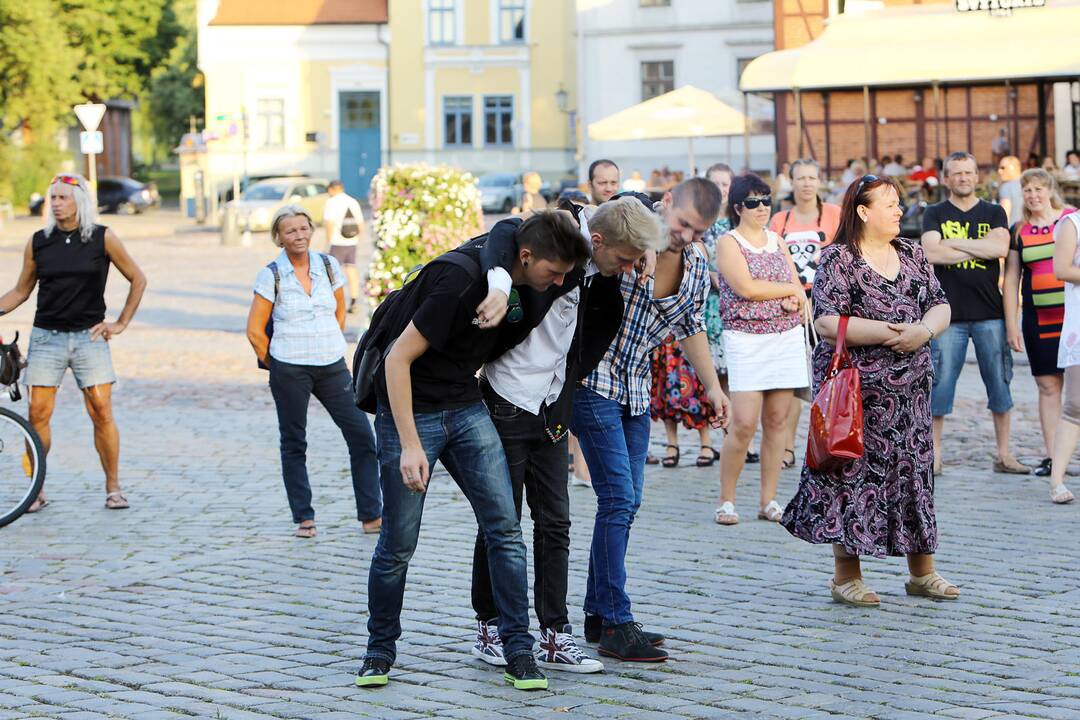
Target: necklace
(68, 235)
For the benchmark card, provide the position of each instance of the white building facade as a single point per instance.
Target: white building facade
(631, 50)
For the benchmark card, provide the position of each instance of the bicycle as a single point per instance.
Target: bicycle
(22, 456)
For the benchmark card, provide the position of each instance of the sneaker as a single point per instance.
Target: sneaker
(522, 673)
(594, 627)
(627, 642)
(558, 651)
(488, 646)
(575, 481)
(1044, 468)
(374, 673)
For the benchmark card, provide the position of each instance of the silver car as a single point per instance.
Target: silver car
(257, 204)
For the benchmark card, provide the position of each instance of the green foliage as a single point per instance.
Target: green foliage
(421, 211)
(176, 87)
(27, 169)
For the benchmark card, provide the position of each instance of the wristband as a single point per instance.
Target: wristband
(927, 328)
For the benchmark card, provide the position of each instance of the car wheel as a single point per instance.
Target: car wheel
(507, 205)
(126, 208)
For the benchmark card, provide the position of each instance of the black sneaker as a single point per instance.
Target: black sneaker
(627, 642)
(594, 627)
(374, 673)
(1044, 468)
(522, 673)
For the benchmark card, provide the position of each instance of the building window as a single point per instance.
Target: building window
(511, 21)
(655, 3)
(657, 78)
(499, 120)
(441, 22)
(270, 122)
(457, 121)
(740, 65)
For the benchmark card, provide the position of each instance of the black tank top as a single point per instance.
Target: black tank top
(71, 279)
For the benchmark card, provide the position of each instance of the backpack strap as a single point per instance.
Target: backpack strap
(326, 264)
(272, 267)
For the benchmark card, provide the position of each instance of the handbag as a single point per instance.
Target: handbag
(836, 416)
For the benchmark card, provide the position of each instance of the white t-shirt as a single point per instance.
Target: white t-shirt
(334, 212)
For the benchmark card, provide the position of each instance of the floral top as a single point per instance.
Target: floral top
(760, 317)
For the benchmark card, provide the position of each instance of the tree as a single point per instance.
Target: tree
(176, 87)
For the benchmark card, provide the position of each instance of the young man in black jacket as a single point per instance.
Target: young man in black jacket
(430, 409)
(529, 392)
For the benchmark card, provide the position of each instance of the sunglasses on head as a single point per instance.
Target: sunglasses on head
(864, 181)
(752, 203)
(66, 179)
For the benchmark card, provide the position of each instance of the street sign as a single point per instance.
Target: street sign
(90, 115)
(91, 143)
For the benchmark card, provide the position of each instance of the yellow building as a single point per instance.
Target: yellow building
(295, 87)
(487, 85)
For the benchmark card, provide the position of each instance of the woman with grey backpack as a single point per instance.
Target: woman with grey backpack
(296, 328)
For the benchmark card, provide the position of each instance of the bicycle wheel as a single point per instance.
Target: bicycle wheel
(22, 466)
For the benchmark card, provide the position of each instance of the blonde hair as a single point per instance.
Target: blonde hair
(1042, 177)
(283, 213)
(625, 221)
(85, 211)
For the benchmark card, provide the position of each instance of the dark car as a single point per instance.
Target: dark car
(124, 195)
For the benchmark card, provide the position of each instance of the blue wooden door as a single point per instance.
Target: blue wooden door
(359, 141)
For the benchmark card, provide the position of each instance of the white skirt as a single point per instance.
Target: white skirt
(766, 362)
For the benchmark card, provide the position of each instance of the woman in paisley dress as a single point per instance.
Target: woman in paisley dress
(883, 503)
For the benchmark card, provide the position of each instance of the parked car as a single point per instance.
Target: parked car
(501, 192)
(124, 195)
(257, 204)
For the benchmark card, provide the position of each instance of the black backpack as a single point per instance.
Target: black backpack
(350, 228)
(272, 267)
(11, 366)
(388, 322)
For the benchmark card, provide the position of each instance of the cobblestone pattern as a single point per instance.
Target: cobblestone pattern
(198, 602)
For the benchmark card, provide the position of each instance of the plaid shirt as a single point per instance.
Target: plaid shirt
(625, 375)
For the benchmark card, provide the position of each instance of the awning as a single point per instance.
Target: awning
(923, 44)
(684, 113)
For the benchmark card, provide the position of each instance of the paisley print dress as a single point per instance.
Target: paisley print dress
(883, 503)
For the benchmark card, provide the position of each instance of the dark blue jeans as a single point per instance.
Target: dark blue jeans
(615, 444)
(292, 387)
(466, 443)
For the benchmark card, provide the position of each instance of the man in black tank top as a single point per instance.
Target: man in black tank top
(69, 262)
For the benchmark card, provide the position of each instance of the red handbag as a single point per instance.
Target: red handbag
(836, 416)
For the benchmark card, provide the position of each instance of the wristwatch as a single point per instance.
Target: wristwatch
(927, 329)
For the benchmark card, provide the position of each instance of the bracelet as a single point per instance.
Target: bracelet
(927, 327)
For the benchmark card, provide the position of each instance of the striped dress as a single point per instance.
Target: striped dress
(1042, 295)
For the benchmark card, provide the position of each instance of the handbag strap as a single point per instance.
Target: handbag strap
(841, 335)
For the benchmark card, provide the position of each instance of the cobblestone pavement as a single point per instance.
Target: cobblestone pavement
(198, 602)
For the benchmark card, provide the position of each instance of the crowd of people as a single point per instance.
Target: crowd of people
(711, 308)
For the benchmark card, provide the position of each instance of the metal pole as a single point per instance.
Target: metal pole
(866, 117)
(937, 119)
(690, 143)
(798, 122)
(746, 129)
(93, 177)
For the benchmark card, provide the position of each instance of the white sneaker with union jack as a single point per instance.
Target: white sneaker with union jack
(559, 651)
(488, 646)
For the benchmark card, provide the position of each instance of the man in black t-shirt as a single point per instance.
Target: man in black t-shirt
(965, 238)
(430, 409)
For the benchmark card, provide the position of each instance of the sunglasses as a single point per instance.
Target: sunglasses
(66, 179)
(753, 203)
(864, 181)
(514, 312)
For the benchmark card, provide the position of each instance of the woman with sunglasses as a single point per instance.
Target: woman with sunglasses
(69, 263)
(763, 301)
(881, 504)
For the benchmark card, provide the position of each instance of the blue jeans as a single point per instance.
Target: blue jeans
(52, 352)
(995, 364)
(292, 387)
(615, 444)
(466, 443)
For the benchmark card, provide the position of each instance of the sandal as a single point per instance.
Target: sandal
(752, 458)
(651, 459)
(788, 464)
(932, 586)
(709, 460)
(1061, 494)
(40, 503)
(771, 512)
(726, 515)
(854, 592)
(372, 527)
(671, 461)
(116, 501)
(305, 531)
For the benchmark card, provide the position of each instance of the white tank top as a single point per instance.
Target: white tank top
(1069, 346)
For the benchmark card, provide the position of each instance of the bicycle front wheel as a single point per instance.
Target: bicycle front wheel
(22, 466)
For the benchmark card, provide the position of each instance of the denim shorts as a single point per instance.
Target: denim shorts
(995, 364)
(52, 352)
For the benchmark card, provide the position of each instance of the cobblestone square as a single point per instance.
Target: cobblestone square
(198, 602)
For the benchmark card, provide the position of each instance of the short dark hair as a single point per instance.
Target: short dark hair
(899, 159)
(602, 162)
(886, 159)
(1074, 151)
(743, 187)
(335, 183)
(552, 235)
(702, 194)
(957, 156)
(719, 167)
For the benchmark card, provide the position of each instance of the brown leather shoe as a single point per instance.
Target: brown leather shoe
(1010, 466)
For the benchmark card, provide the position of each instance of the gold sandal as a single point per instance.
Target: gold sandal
(932, 586)
(854, 592)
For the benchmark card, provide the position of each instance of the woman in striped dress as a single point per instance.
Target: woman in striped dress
(1030, 282)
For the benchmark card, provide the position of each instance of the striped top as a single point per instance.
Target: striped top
(1042, 294)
